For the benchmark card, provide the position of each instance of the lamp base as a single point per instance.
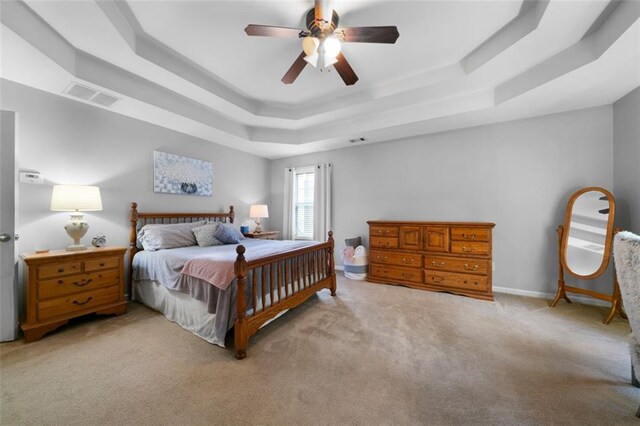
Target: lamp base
(76, 229)
(258, 228)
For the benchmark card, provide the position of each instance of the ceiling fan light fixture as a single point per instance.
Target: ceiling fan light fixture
(310, 45)
(331, 46)
(312, 59)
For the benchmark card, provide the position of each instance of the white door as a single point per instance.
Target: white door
(8, 273)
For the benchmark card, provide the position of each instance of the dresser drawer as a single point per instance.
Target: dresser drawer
(101, 264)
(384, 231)
(395, 273)
(76, 283)
(469, 234)
(400, 259)
(65, 305)
(384, 242)
(457, 264)
(59, 269)
(453, 280)
(470, 247)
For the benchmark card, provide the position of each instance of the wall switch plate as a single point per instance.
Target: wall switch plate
(31, 177)
(493, 266)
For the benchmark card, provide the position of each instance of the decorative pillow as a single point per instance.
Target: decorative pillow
(165, 236)
(228, 234)
(204, 235)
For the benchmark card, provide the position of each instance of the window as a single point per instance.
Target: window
(303, 203)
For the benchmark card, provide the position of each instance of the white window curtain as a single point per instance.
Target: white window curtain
(288, 232)
(322, 201)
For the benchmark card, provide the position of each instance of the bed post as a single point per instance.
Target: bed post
(232, 214)
(241, 332)
(133, 248)
(332, 265)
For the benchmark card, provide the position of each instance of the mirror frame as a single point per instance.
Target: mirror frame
(608, 237)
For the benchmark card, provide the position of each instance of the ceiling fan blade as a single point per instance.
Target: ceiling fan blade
(295, 69)
(344, 69)
(324, 10)
(270, 31)
(369, 34)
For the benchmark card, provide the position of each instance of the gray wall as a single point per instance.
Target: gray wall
(73, 143)
(626, 160)
(518, 174)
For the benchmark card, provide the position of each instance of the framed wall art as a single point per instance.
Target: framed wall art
(175, 174)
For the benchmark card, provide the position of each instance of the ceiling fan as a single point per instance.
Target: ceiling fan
(321, 42)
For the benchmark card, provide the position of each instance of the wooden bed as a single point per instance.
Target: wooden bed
(297, 274)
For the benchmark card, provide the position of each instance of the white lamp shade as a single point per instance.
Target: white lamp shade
(331, 47)
(65, 198)
(258, 211)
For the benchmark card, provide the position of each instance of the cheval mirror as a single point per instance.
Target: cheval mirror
(585, 242)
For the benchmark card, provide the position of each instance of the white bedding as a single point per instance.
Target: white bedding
(193, 303)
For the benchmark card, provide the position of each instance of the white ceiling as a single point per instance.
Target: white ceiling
(189, 66)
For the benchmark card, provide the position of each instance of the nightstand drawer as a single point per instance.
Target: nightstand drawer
(100, 264)
(59, 270)
(77, 302)
(76, 283)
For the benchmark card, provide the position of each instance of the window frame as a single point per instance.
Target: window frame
(301, 171)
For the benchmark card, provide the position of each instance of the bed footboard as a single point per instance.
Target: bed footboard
(276, 283)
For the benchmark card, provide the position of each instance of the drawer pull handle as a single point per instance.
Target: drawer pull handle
(470, 268)
(469, 236)
(60, 270)
(75, 302)
(102, 265)
(465, 248)
(404, 260)
(437, 279)
(82, 283)
(60, 282)
(407, 276)
(437, 264)
(381, 258)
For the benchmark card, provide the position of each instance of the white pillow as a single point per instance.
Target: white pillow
(165, 236)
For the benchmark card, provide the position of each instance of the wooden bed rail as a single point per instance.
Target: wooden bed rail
(278, 283)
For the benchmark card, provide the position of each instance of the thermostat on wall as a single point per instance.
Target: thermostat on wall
(31, 177)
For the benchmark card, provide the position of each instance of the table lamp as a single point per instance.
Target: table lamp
(257, 212)
(76, 199)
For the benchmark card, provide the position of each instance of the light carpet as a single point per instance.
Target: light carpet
(375, 354)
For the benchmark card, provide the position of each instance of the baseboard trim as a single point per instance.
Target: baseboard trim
(537, 294)
(550, 296)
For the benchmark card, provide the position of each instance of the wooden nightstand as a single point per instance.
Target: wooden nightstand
(264, 235)
(67, 284)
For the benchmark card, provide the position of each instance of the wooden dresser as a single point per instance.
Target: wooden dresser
(66, 284)
(438, 256)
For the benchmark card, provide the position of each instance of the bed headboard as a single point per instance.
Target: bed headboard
(138, 220)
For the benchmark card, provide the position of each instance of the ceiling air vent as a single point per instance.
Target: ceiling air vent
(89, 94)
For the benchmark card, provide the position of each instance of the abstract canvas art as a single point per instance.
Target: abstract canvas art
(175, 174)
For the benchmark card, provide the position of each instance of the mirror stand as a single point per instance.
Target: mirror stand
(615, 299)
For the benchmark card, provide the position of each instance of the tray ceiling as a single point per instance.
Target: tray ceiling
(188, 65)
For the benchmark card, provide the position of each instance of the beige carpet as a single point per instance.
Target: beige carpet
(375, 354)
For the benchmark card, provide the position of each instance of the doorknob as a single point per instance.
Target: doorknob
(4, 238)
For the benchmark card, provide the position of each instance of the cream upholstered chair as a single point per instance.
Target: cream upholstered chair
(626, 254)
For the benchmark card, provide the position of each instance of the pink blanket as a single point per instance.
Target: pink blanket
(218, 269)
